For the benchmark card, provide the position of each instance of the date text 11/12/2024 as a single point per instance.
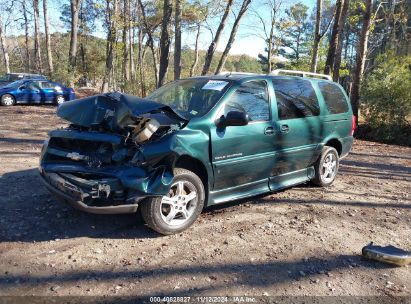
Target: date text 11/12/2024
(204, 299)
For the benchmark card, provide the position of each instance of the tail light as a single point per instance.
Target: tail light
(353, 125)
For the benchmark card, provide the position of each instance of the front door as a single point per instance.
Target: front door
(244, 154)
(29, 92)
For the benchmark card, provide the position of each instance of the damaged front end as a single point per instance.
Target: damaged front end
(99, 163)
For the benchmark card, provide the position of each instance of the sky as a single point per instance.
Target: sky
(248, 41)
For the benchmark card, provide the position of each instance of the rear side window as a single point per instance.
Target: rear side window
(47, 85)
(296, 98)
(251, 98)
(333, 98)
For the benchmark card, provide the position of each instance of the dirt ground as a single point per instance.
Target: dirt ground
(301, 241)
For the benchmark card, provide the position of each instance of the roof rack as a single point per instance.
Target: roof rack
(228, 73)
(302, 73)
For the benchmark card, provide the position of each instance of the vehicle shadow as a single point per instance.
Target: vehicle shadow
(11, 140)
(248, 275)
(31, 213)
(26, 204)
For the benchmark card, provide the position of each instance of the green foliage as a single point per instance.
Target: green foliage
(386, 98)
(386, 94)
(296, 30)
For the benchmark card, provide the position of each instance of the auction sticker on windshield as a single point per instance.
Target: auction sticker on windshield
(215, 85)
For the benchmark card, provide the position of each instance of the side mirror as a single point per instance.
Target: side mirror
(22, 87)
(233, 118)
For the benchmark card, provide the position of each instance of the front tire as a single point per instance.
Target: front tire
(326, 167)
(7, 100)
(179, 209)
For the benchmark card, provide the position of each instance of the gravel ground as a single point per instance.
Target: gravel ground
(301, 241)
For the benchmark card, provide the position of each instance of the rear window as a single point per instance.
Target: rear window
(14, 77)
(334, 98)
(295, 98)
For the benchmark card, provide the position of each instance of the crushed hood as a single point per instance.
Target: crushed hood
(112, 110)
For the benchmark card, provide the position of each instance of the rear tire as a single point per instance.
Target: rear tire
(8, 100)
(326, 167)
(179, 209)
(59, 100)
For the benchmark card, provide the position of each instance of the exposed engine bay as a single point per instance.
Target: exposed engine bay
(101, 158)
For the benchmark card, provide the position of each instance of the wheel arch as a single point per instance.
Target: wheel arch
(11, 94)
(336, 144)
(195, 165)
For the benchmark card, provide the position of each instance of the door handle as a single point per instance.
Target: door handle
(269, 131)
(284, 129)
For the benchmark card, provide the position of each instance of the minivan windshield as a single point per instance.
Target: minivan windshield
(191, 97)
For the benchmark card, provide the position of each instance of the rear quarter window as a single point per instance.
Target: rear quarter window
(334, 98)
(47, 85)
(295, 98)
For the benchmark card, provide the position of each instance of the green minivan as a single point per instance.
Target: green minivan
(197, 142)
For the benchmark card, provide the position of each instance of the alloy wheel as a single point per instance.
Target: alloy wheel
(329, 168)
(8, 100)
(180, 204)
(60, 100)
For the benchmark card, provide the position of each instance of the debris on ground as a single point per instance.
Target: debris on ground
(388, 254)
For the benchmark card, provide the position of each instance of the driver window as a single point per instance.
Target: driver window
(251, 98)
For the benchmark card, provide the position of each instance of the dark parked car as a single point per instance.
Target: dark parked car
(11, 77)
(197, 142)
(35, 91)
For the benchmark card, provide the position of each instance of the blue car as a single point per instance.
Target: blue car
(11, 77)
(35, 91)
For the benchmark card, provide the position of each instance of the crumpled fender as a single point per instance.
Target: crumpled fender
(155, 182)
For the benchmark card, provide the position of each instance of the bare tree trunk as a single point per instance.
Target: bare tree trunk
(83, 57)
(75, 9)
(214, 43)
(111, 39)
(37, 36)
(131, 35)
(194, 65)
(164, 43)
(361, 58)
(143, 75)
(4, 48)
(271, 42)
(334, 38)
(48, 41)
(125, 40)
(177, 41)
(150, 40)
(233, 33)
(317, 37)
(338, 51)
(155, 59)
(26, 32)
(297, 48)
(140, 53)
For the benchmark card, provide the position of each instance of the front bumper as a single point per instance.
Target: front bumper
(76, 197)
